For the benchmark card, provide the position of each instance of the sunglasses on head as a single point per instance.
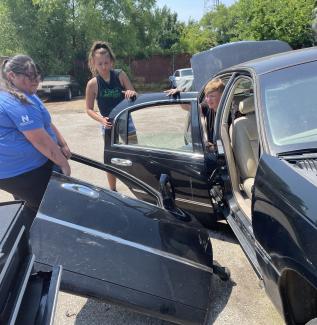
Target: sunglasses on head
(100, 46)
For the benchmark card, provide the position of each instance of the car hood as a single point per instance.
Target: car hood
(208, 63)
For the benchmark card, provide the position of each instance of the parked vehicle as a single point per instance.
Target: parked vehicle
(182, 78)
(261, 177)
(64, 86)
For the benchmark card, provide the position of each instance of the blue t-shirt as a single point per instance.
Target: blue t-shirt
(17, 154)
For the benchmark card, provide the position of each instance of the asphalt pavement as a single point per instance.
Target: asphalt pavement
(241, 300)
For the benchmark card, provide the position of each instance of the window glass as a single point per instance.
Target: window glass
(290, 102)
(187, 72)
(166, 127)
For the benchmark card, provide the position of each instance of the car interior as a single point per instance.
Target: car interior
(239, 134)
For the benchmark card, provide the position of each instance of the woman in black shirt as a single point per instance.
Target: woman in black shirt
(108, 86)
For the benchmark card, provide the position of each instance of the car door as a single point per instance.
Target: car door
(124, 250)
(167, 138)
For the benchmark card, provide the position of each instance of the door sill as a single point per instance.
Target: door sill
(245, 244)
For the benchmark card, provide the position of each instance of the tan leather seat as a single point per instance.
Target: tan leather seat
(245, 144)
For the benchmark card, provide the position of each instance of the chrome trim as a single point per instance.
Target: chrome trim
(12, 252)
(194, 202)
(169, 151)
(139, 191)
(51, 321)
(158, 102)
(181, 200)
(121, 162)
(124, 242)
(22, 290)
(81, 189)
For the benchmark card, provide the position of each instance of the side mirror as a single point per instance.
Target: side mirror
(168, 192)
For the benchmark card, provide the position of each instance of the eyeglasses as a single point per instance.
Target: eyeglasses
(32, 76)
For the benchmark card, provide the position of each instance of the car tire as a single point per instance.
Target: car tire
(69, 94)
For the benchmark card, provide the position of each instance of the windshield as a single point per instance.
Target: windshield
(290, 100)
(57, 78)
(186, 72)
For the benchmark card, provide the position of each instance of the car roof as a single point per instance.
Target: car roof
(184, 69)
(278, 61)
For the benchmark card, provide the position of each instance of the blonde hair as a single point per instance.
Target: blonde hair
(19, 64)
(99, 47)
(214, 85)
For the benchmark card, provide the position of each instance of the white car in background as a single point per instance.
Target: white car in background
(182, 78)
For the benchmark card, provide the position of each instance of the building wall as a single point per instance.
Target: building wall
(157, 68)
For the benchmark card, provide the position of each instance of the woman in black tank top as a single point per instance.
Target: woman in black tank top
(108, 86)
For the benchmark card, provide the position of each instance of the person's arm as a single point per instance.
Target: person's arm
(41, 140)
(129, 91)
(172, 92)
(91, 94)
(61, 142)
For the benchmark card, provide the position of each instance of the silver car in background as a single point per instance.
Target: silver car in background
(64, 86)
(182, 79)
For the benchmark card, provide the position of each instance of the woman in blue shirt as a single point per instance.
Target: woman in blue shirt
(29, 142)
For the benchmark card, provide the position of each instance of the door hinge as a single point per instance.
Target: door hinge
(216, 194)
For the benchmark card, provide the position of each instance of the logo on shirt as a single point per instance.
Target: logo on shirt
(25, 120)
(112, 93)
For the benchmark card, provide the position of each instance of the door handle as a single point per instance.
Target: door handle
(121, 162)
(81, 189)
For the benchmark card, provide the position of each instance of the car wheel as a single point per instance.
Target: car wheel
(69, 94)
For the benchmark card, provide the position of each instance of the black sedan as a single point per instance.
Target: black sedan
(261, 176)
(63, 86)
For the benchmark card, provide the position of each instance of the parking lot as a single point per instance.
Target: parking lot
(242, 300)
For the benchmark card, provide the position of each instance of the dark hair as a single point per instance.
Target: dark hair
(19, 64)
(102, 48)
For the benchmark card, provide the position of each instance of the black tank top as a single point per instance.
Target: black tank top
(109, 93)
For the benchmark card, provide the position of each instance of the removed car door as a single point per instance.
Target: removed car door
(123, 250)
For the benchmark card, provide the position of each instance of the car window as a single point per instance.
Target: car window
(187, 72)
(176, 73)
(289, 98)
(165, 127)
(57, 78)
(242, 89)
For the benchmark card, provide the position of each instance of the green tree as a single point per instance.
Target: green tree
(221, 22)
(197, 37)
(287, 20)
(9, 43)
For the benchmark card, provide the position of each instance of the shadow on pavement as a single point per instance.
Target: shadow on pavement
(221, 291)
(96, 312)
(223, 232)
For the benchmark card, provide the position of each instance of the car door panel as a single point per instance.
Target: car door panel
(186, 166)
(124, 250)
